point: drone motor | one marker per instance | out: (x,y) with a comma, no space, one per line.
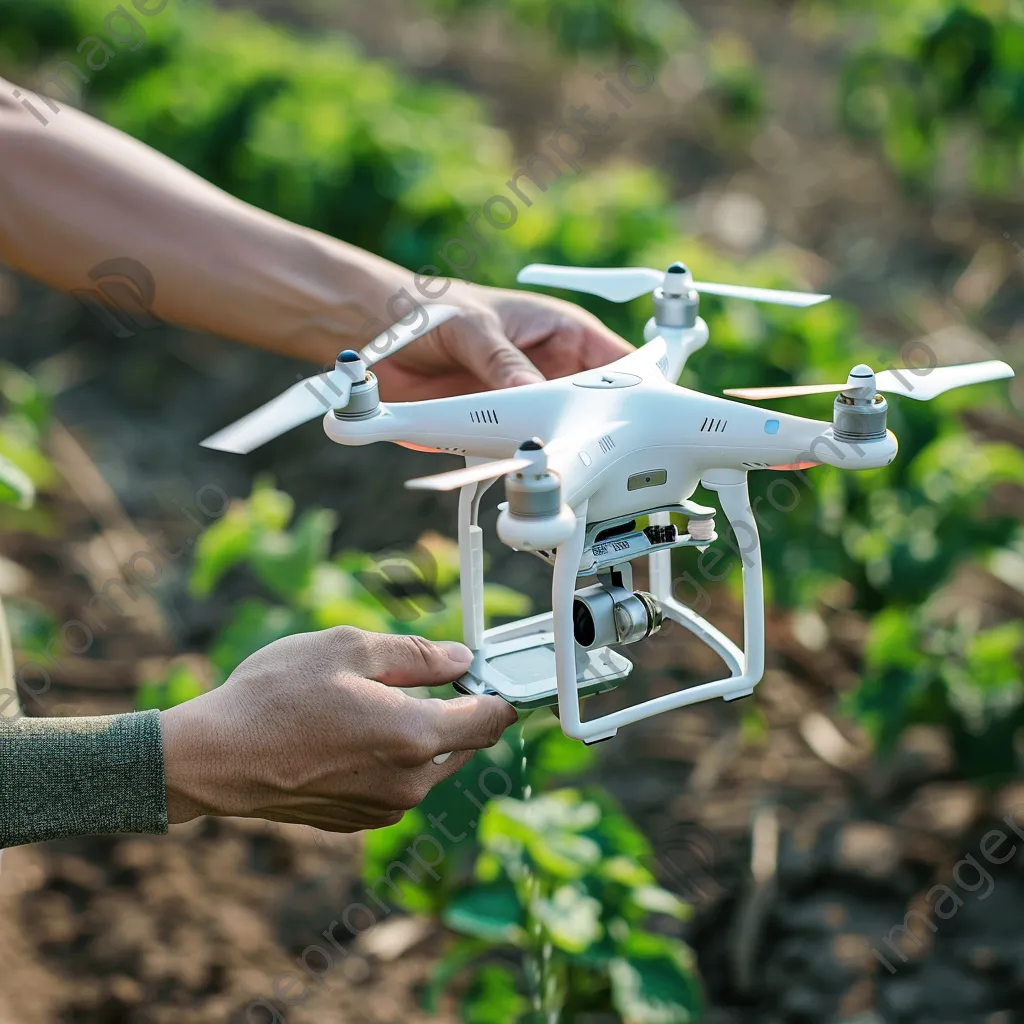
(535,518)
(859,413)
(363,401)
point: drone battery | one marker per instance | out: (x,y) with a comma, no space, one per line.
(521,669)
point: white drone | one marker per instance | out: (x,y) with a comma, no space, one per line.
(584,458)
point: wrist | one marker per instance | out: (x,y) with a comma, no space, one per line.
(187,763)
(350,296)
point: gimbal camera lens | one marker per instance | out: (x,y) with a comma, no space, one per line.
(602,616)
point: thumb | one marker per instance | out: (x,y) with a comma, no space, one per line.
(400,660)
(480,344)
(469,723)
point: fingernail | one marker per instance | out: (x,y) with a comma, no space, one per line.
(521,378)
(457,652)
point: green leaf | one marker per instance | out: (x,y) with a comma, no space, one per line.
(548,828)
(556,754)
(503,602)
(285,561)
(654,981)
(221,546)
(489,912)
(493,997)
(15,486)
(177,687)
(570,917)
(394,875)
(656,900)
(891,641)
(254,625)
(459,955)
(625,871)
(268,509)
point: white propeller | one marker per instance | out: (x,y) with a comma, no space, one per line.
(621,285)
(456,478)
(531,453)
(317,395)
(920,384)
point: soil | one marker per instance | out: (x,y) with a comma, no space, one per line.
(799,850)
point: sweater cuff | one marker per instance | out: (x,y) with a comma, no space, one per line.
(63,777)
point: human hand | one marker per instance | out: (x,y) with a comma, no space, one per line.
(314,729)
(502,339)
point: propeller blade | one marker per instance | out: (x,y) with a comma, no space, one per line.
(925,384)
(921,384)
(301,403)
(779,298)
(790,391)
(317,395)
(399,335)
(613,284)
(456,478)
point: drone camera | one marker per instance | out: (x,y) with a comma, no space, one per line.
(602,616)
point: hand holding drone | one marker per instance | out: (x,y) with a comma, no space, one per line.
(584,458)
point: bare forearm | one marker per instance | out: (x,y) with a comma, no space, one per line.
(76,192)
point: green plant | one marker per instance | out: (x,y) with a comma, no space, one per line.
(23,467)
(531,757)
(561,882)
(951,672)
(936,71)
(638,29)
(23,422)
(396,592)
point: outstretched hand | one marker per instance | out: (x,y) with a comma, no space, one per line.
(503,339)
(315,729)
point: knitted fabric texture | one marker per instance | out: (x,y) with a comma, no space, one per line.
(64,777)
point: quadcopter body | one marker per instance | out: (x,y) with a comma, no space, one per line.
(585,458)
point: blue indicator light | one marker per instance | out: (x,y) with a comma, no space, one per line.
(771,426)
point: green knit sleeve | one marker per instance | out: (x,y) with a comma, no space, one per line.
(81,776)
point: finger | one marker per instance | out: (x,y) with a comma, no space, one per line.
(466,724)
(409,660)
(480,345)
(601,346)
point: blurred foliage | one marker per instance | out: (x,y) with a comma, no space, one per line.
(561,879)
(24,417)
(652,32)
(630,29)
(956,674)
(392,592)
(531,757)
(937,75)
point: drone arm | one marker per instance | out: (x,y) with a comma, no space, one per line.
(665,350)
